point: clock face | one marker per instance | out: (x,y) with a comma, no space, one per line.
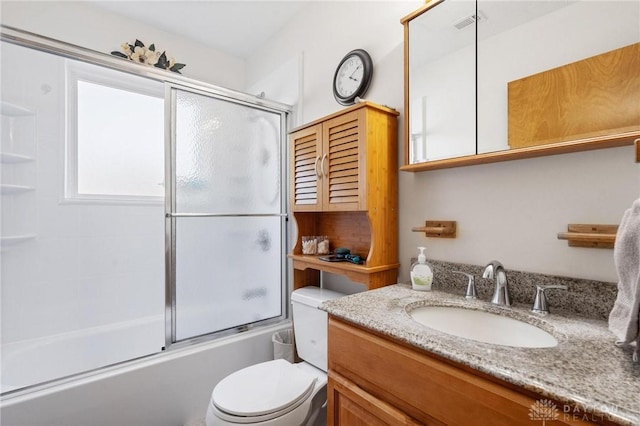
(352,77)
(349,77)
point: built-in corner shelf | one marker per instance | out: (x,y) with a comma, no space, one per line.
(12,110)
(20,130)
(11,158)
(11,241)
(14,189)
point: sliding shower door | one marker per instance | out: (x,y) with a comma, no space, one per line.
(225,214)
(134,212)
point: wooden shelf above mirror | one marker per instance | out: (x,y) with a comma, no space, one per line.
(599,142)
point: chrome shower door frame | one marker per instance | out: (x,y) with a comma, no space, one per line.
(171,215)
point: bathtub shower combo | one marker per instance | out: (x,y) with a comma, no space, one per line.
(141,211)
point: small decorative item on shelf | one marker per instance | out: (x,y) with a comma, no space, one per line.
(343,255)
(309,245)
(323,244)
(341,252)
(138,52)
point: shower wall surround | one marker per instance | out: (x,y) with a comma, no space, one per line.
(83,257)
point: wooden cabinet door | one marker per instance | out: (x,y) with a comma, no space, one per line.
(342,162)
(304,164)
(349,405)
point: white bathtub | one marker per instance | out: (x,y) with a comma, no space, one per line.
(34,361)
(171,388)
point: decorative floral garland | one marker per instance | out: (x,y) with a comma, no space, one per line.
(137,52)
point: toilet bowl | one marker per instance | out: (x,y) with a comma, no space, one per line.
(288,394)
(278,392)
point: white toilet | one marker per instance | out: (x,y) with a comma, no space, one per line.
(278,392)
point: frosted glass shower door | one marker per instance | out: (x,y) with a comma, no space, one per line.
(226,214)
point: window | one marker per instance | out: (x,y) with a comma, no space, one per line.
(115,136)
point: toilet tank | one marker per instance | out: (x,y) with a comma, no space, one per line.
(310,324)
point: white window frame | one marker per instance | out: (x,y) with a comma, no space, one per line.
(78,71)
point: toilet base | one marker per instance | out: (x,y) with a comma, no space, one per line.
(319,418)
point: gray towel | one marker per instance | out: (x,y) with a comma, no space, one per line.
(624,317)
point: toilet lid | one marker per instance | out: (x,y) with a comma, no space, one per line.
(262,389)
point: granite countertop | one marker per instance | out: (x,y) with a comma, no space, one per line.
(585,370)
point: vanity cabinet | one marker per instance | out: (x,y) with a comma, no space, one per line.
(376,380)
(344,184)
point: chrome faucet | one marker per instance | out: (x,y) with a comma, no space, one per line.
(501,294)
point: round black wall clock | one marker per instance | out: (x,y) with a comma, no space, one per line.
(352,77)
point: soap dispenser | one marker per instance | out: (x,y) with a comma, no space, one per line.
(421,273)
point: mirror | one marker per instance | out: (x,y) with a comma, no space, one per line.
(491,80)
(442,82)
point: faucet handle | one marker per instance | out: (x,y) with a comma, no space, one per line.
(540,305)
(471,285)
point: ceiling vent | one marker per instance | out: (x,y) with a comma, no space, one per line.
(471,19)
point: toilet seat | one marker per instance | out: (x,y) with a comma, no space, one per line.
(262,392)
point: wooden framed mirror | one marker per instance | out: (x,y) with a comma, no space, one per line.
(489,80)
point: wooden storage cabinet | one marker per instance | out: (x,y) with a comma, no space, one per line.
(413,387)
(343,184)
(328,160)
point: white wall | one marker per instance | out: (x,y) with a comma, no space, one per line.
(507,211)
(512,211)
(82,24)
(324,32)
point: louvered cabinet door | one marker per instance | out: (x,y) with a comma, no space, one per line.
(342,162)
(305,157)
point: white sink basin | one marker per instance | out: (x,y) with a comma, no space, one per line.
(483,326)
